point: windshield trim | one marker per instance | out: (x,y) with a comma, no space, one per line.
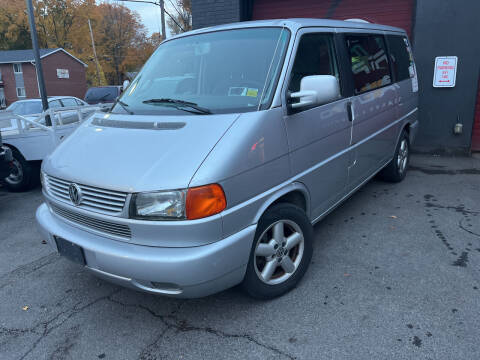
(213,30)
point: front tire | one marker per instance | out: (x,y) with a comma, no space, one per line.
(281,252)
(396,170)
(21,177)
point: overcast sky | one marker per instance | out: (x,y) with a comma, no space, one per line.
(149,14)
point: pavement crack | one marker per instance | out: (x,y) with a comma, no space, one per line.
(173,322)
(23,271)
(15,332)
(47,329)
(461,226)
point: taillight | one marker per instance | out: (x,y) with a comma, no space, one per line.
(205,201)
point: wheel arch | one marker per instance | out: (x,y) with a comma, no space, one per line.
(12,147)
(295,193)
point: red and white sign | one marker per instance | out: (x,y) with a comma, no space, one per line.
(445,71)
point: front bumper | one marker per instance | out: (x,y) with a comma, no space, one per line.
(5,159)
(181,272)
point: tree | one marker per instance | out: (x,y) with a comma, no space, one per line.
(121,40)
(55,19)
(182,15)
(14,29)
(120,30)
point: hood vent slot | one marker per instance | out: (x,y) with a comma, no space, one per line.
(145,125)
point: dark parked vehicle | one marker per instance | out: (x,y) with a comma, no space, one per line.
(102,94)
(5,160)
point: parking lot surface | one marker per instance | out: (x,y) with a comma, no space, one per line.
(395,275)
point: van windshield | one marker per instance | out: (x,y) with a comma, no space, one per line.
(219,72)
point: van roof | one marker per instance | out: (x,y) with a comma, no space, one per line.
(296,23)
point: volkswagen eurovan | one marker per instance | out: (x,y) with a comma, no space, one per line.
(211,168)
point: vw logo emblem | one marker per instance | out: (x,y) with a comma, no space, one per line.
(75,194)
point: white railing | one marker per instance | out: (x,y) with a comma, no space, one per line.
(24,125)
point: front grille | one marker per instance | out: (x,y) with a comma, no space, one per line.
(93,198)
(107,227)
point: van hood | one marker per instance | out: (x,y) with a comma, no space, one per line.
(133,153)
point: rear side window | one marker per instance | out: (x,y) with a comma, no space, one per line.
(315,56)
(369,62)
(400,56)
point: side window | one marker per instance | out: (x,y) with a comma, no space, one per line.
(399,56)
(79,102)
(368,58)
(54,104)
(315,56)
(68,102)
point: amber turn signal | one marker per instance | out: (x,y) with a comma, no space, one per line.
(205,201)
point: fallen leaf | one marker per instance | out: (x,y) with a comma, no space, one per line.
(25,308)
(346,274)
(393,216)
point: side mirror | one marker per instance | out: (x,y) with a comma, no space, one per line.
(316,90)
(125,84)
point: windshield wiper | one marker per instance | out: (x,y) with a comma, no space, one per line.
(180,104)
(123,105)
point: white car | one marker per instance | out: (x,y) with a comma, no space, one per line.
(30,143)
(31,108)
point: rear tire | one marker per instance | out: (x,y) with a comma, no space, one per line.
(21,177)
(396,170)
(281,252)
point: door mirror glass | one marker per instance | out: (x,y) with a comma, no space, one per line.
(315,90)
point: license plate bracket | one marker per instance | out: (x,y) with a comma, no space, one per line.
(71,251)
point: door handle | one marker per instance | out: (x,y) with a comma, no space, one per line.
(350,111)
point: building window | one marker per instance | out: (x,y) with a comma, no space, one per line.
(21,92)
(17,68)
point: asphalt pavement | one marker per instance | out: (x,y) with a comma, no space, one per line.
(395,275)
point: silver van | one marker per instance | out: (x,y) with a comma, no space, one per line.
(211,168)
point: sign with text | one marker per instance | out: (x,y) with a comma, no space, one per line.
(63,74)
(445,71)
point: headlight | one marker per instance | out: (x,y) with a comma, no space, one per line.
(193,203)
(159,205)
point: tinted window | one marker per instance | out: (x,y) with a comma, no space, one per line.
(315,56)
(368,57)
(400,56)
(69,102)
(101,94)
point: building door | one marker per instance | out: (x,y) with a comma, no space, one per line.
(476,124)
(387,12)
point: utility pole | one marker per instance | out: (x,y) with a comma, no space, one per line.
(38,62)
(162,14)
(94,53)
(160,3)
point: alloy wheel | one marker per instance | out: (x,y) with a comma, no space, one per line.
(402,158)
(279,252)
(16,175)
